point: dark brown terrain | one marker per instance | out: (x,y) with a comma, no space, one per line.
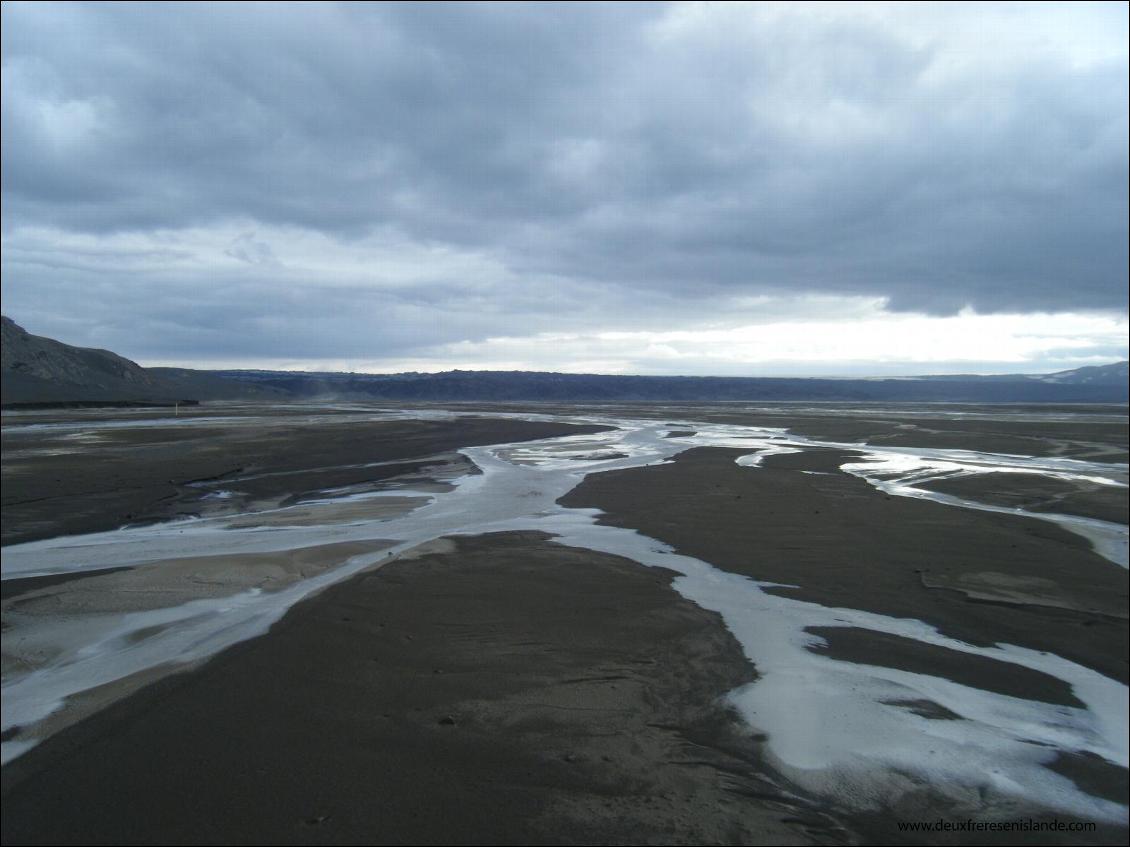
(55,485)
(505,689)
(450,697)
(844,543)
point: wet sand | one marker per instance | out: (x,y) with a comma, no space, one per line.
(454,697)
(841,542)
(830,538)
(49,620)
(1098,433)
(1096,441)
(66,482)
(505,689)
(1040,494)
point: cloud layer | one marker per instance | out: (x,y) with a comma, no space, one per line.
(384,181)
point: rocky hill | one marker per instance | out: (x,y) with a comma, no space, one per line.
(38,370)
(42,369)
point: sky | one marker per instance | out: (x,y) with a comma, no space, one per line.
(686,188)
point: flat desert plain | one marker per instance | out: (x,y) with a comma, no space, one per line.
(670,624)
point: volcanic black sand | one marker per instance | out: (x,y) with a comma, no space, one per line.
(844,543)
(1096,433)
(1040,494)
(505,689)
(57,485)
(978,576)
(508,690)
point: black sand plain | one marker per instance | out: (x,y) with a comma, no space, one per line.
(54,485)
(505,689)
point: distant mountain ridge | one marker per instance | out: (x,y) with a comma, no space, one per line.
(1116,374)
(39,370)
(597,388)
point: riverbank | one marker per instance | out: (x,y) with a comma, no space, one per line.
(495,689)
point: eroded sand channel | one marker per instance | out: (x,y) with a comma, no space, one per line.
(518,488)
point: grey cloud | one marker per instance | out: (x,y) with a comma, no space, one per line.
(150,304)
(790,154)
(247,248)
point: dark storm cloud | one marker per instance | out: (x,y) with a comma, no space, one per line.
(637,150)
